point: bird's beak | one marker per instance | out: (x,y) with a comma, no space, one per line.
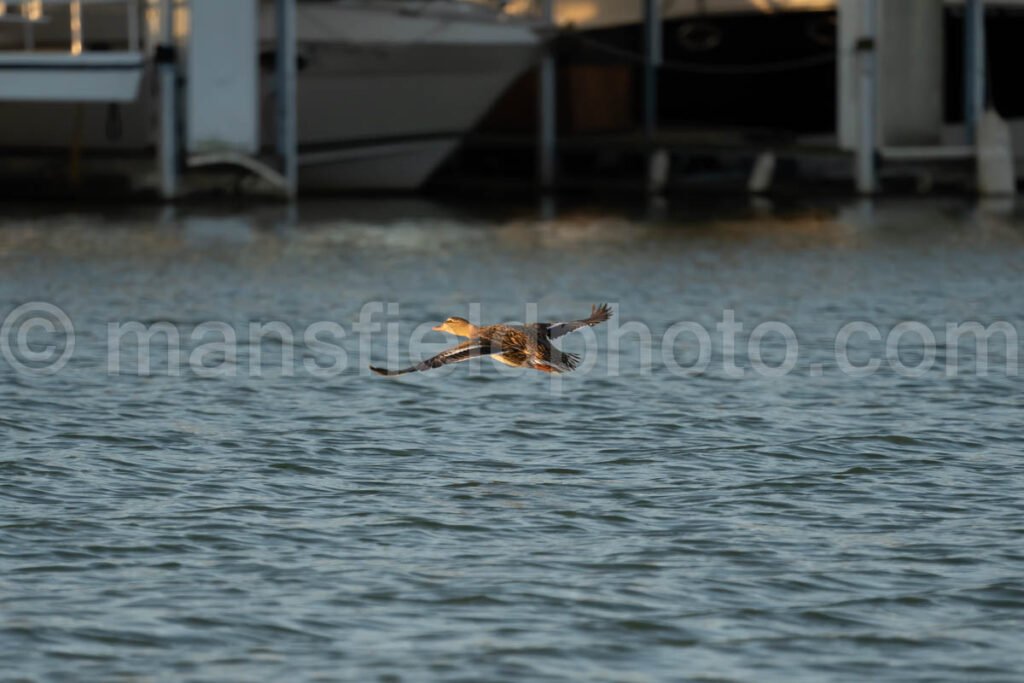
(438,328)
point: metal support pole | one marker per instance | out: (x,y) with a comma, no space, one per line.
(547,109)
(652,60)
(974,67)
(133,25)
(165,57)
(287,102)
(868,110)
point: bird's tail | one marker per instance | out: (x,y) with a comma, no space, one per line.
(560,362)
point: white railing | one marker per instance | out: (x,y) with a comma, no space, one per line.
(30,14)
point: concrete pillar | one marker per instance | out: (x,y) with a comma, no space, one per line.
(222,111)
(996,173)
(907,39)
(910,72)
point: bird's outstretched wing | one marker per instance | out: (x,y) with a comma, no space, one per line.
(598,314)
(473,348)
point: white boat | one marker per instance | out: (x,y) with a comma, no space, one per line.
(386,88)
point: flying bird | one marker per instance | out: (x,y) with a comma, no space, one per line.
(521,346)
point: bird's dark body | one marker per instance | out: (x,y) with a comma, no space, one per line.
(521,346)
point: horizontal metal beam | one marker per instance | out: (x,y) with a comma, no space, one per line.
(928,153)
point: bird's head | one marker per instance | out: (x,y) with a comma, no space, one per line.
(460,327)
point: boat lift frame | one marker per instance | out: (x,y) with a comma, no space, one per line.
(80,75)
(868,152)
(547,92)
(286,108)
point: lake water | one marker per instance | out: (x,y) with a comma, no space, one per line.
(652,517)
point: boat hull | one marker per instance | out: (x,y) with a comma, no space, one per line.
(386,90)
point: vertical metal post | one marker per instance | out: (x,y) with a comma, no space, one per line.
(166,64)
(287,101)
(974,67)
(133,24)
(547,104)
(868,95)
(31,11)
(652,61)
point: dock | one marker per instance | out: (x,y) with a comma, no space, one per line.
(889,123)
(204,85)
(153,93)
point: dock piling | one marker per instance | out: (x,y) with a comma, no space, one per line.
(868,110)
(287,104)
(762,173)
(974,67)
(166,66)
(547,103)
(659,167)
(652,61)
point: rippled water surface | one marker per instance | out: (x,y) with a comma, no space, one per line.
(631,522)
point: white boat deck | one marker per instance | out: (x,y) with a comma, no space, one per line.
(39,76)
(43,72)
